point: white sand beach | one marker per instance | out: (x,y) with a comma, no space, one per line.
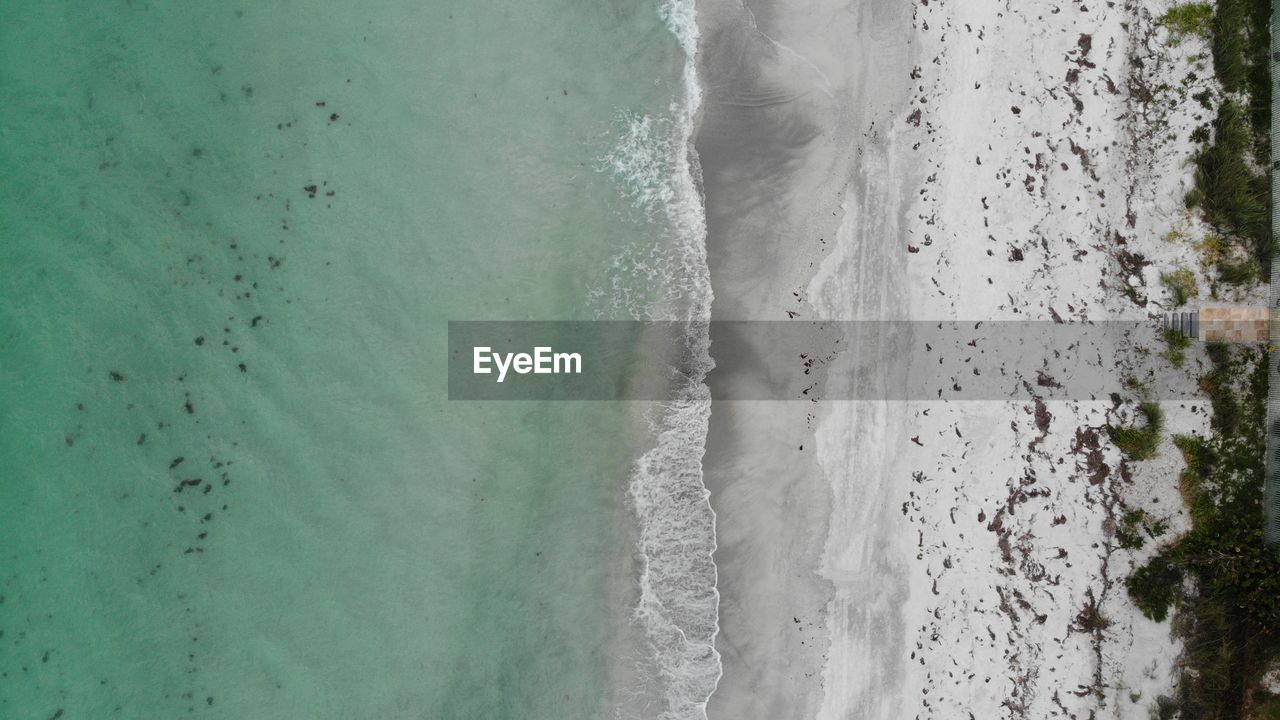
(938,160)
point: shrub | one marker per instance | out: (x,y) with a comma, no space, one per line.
(1154,587)
(1136,526)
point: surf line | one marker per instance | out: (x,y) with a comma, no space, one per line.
(543,361)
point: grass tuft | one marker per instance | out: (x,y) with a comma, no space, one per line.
(1139,442)
(1188,19)
(1181,284)
(1176,347)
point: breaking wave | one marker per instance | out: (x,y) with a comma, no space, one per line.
(657,166)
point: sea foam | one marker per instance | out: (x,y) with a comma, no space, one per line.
(678,608)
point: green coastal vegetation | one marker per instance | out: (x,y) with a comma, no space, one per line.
(1219,576)
(1219,581)
(1232,169)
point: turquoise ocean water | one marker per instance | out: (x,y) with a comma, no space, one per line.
(231,485)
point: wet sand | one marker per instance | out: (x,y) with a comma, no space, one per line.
(796,95)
